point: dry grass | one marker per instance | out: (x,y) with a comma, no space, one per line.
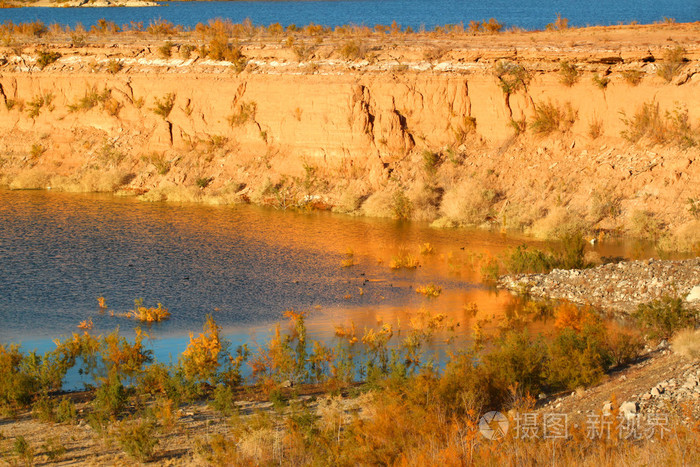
(551,117)
(687,343)
(468,203)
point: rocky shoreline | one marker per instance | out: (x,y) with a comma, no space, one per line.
(616,287)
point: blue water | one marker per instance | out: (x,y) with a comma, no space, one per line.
(528,14)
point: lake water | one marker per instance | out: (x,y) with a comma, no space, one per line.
(528,14)
(244,264)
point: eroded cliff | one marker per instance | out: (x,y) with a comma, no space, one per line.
(536,131)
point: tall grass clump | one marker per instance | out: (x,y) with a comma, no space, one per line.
(650,124)
(163,106)
(550,117)
(673,61)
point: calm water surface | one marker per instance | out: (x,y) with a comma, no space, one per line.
(529,14)
(245,265)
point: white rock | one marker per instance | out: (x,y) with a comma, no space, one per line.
(694,294)
(629,409)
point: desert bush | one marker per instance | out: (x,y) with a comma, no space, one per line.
(674,59)
(66,411)
(223,400)
(111,397)
(600,81)
(165,50)
(511,76)
(660,319)
(467,386)
(23,450)
(645,226)
(578,358)
(559,24)
(54,449)
(549,117)
(568,73)
(46,58)
(624,346)
(401,206)
(595,128)
(114,66)
(519,360)
(429,290)
(91,99)
(138,438)
(164,106)
(44,409)
(16,386)
(672,127)
(148,315)
(403,260)
(467,203)
(186,51)
(200,360)
(633,77)
(569,253)
(353,50)
(39,102)
(203,182)
(245,112)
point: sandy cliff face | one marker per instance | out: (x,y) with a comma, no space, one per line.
(338,132)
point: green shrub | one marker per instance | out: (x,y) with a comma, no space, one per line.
(92,98)
(54,449)
(23,450)
(66,412)
(519,360)
(578,358)
(569,74)
(46,58)
(660,319)
(16,386)
(40,101)
(401,206)
(511,76)
(203,182)
(224,400)
(164,106)
(44,409)
(110,397)
(138,439)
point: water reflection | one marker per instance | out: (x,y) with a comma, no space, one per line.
(244,264)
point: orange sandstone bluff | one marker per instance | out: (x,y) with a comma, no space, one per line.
(593,128)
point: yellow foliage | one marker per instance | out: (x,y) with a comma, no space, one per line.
(569,315)
(149,315)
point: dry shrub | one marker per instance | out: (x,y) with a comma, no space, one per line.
(558,223)
(35,179)
(379,203)
(674,59)
(550,117)
(350,197)
(94,181)
(685,237)
(425,201)
(353,50)
(467,203)
(649,123)
(687,343)
(173,193)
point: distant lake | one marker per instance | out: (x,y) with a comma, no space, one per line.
(528,14)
